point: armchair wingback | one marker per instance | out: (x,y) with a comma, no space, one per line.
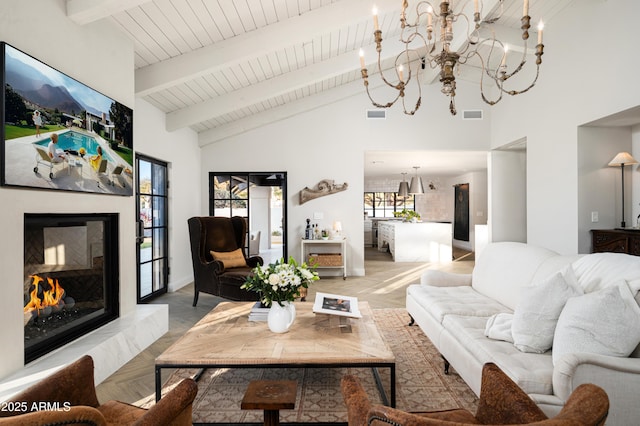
(219,234)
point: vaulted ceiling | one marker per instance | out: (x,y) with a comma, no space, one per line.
(222,67)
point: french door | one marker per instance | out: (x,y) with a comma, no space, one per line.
(259,197)
(152,187)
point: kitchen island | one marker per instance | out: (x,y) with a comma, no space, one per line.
(417,242)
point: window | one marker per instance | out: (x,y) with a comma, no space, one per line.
(384,204)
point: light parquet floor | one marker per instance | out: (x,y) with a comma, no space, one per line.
(383,286)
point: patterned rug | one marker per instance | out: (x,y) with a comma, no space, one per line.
(420,386)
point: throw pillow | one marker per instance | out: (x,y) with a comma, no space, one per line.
(230,259)
(536,314)
(605,322)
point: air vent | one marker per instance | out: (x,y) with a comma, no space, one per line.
(472,114)
(376,114)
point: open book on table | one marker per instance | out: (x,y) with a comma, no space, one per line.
(335,304)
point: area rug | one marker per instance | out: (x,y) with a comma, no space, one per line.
(420,386)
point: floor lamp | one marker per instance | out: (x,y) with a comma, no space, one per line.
(622,159)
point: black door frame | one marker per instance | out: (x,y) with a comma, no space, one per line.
(249,175)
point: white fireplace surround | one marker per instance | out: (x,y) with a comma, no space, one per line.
(110,346)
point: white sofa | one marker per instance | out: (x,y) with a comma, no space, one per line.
(453,310)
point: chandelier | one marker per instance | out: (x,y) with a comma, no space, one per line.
(444,39)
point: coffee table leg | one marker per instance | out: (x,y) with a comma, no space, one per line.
(158,383)
(380,386)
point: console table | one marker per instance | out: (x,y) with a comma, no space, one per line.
(616,240)
(329,249)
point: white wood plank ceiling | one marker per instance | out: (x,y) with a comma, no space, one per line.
(222,67)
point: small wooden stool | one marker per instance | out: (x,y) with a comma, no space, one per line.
(270,396)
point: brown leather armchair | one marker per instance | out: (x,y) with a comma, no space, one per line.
(68,396)
(220,234)
(502,402)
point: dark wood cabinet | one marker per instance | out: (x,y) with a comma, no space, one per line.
(616,241)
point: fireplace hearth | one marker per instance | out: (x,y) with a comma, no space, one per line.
(71,282)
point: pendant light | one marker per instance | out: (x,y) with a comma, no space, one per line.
(403,190)
(416,184)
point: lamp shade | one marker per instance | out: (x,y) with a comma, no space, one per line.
(623,159)
(403,190)
(416,186)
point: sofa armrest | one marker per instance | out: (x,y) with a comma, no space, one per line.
(576,368)
(444,279)
(619,377)
(79,416)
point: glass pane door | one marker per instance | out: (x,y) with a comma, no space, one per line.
(152,217)
(259,198)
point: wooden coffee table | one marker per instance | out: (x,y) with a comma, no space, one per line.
(225,338)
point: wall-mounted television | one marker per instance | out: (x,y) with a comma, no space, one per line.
(60,134)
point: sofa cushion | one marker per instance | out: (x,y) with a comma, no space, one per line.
(535,317)
(598,270)
(463,300)
(532,372)
(605,322)
(503,268)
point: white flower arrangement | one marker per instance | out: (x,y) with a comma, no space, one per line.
(280,281)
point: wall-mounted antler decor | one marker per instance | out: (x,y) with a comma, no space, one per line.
(324,187)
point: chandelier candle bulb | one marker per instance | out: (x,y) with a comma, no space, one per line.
(504,58)
(525,8)
(361,53)
(376,27)
(475,6)
(540,28)
(401,73)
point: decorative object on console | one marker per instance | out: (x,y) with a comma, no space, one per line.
(474,43)
(337,230)
(324,187)
(622,159)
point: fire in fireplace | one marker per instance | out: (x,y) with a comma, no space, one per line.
(71,278)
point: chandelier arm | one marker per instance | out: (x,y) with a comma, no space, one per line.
(519,92)
(376,104)
(384,79)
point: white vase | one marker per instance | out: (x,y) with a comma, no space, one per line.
(280,318)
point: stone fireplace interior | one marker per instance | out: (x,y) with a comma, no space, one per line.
(70,278)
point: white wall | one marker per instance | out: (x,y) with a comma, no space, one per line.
(329,143)
(573,89)
(101,57)
(180,150)
(508,196)
(41,29)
